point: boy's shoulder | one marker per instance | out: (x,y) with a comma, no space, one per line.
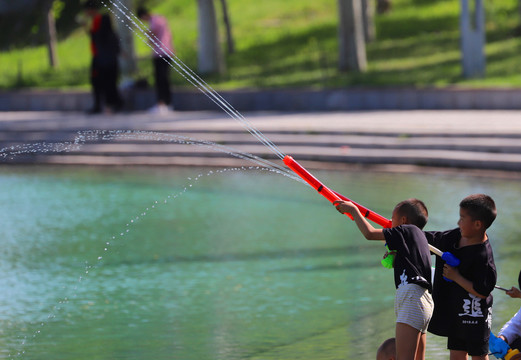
(444,240)
(454,233)
(413,229)
(483,249)
(405,229)
(407,232)
(480,254)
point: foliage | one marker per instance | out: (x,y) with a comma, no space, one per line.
(22,26)
(293,43)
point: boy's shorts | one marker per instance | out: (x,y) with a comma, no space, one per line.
(413,306)
(474,347)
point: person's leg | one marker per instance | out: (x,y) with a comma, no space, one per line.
(458,355)
(111,75)
(422,344)
(407,339)
(96,88)
(162,81)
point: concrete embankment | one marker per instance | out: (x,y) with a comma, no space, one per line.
(301,100)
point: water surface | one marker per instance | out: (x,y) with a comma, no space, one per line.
(188,263)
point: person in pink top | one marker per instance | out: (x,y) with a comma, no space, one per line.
(162,44)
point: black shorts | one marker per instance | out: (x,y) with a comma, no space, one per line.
(474,347)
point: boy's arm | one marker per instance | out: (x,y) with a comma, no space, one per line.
(453,274)
(512,329)
(364,226)
(514,293)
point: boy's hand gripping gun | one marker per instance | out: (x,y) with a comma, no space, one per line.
(447,257)
(500,349)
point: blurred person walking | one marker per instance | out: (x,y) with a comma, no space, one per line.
(104,72)
(163,47)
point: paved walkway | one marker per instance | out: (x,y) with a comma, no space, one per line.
(484,139)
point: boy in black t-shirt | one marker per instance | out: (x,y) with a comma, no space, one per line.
(463,306)
(412,271)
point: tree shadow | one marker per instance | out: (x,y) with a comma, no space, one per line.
(270,60)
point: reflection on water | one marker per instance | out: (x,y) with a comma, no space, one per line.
(192,264)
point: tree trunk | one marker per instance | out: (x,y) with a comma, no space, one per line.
(472,26)
(228,26)
(50,26)
(352,54)
(127,58)
(210,59)
(519,12)
(368,16)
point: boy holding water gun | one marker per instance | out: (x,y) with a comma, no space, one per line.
(412,271)
(463,304)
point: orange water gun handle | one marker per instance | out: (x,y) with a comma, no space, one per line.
(331,195)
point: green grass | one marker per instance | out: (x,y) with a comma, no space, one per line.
(293,43)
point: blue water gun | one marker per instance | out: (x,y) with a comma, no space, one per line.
(449,258)
(500,349)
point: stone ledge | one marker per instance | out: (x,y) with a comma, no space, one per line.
(281,100)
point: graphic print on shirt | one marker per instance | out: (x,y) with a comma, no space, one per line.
(403,278)
(471,307)
(489,318)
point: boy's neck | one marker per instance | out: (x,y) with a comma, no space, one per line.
(473,240)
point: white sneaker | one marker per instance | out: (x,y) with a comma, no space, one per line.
(159,109)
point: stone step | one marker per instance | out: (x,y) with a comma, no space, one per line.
(172,154)
(493,144)
(481,140)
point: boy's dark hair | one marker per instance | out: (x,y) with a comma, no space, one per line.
(480,207)
(414,210)
(388,348)
(142,11)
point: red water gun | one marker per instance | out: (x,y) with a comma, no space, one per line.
(331,195)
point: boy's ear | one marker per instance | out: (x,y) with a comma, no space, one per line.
(478,224)
(403,220)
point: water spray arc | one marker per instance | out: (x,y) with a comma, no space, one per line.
(123,14)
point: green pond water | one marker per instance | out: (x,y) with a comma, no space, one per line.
(190,263)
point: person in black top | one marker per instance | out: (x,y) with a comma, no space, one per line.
(412,271)
(105,49)
(463,306)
